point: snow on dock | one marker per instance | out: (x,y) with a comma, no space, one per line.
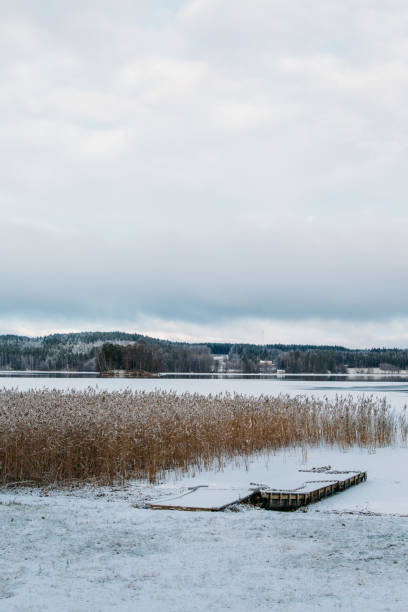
(210,499)
(325,482)
(322,482)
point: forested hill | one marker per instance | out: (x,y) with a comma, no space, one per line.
(107,351)
(76,351)
(87,352)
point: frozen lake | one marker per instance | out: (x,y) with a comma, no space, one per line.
(396,393)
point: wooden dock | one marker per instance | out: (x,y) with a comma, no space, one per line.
(207,499)
(325,482)
(313,491)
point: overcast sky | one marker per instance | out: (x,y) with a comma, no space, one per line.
(205,169)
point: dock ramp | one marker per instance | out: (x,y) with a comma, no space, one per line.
(207,498)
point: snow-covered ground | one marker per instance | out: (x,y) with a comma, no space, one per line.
(100,549)
(91,554)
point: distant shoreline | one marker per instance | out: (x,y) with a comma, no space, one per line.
(385,376)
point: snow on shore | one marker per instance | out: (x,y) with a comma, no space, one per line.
(99,549)
(71,554)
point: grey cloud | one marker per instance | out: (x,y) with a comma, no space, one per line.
(210,161)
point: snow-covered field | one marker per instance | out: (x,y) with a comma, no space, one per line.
(101,549)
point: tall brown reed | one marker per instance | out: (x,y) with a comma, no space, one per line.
(55,436)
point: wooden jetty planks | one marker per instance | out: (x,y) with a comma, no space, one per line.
(317,490)
(208,499)
(212,499)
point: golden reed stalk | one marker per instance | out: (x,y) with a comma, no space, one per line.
(52,436)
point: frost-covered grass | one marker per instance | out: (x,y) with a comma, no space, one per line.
(81,555)
(64,436)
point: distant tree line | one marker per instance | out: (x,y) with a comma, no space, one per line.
(107,351)
(315,359)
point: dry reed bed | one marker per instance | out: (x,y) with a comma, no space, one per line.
(53,436)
